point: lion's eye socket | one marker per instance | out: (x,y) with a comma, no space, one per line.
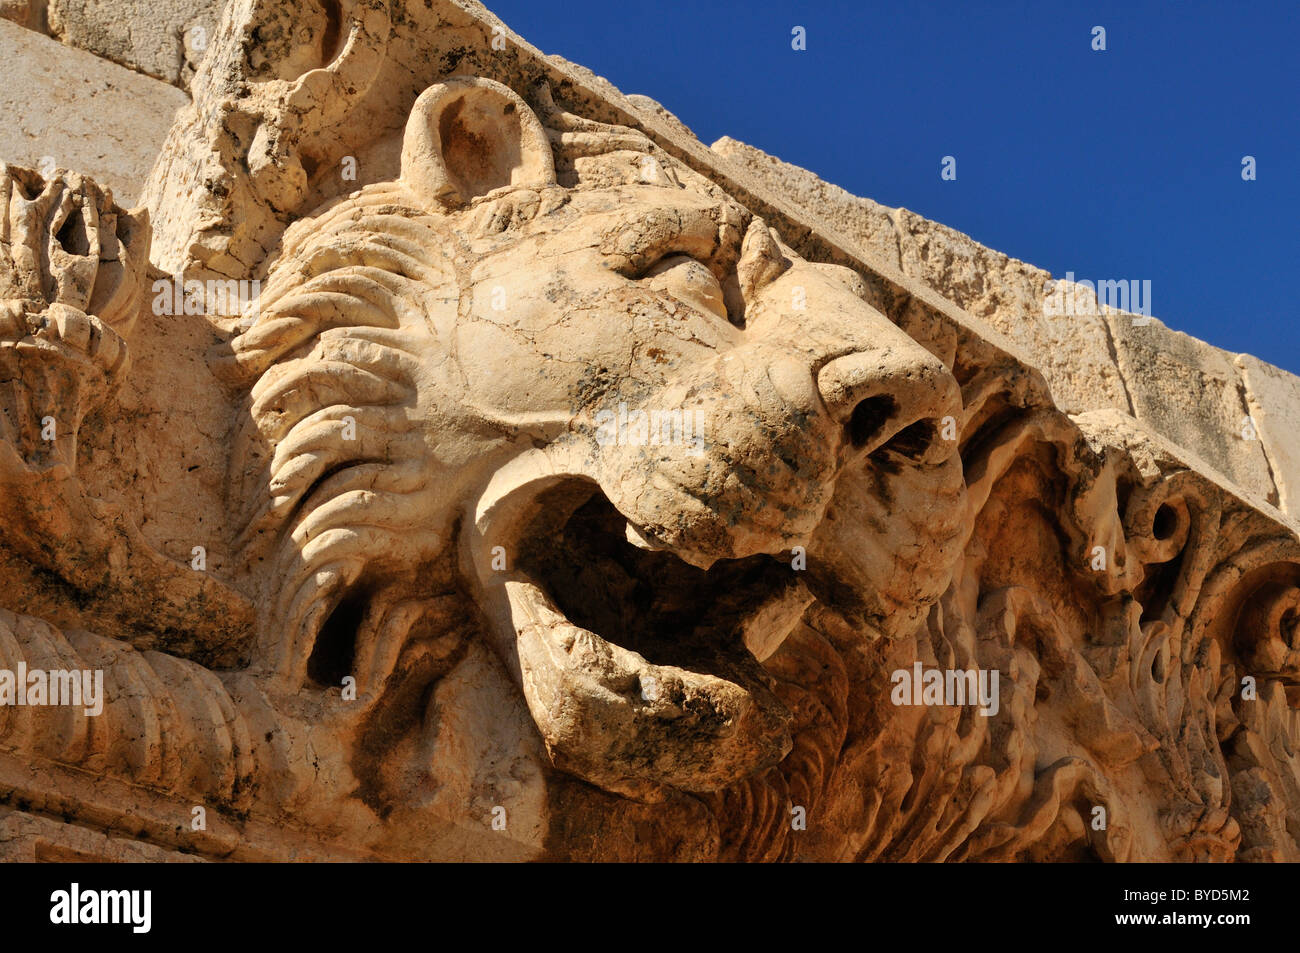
(688,281)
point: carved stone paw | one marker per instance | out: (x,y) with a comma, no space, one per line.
(72,266)
(55,366)
(64,241)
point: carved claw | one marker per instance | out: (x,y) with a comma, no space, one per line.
(64,241)
(71,270)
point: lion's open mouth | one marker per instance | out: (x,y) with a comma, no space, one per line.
(648,600)
(631,685)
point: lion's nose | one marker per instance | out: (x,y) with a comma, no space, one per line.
(892,397)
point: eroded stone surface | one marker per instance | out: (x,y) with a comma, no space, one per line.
(1273,396)
(55,100)
(165,39)
(1192,393)
(561,491)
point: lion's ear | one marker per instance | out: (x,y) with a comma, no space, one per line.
(467,136)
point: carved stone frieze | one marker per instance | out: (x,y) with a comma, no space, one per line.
(453,460)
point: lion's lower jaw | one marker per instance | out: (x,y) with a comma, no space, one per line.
(630,726)
(697,718)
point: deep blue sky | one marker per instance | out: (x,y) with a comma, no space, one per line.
(1117,164)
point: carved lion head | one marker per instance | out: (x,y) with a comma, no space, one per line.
(556,377)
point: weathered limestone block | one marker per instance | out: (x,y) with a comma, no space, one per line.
(55,101)
(165,39)
(460,461)
(1192,393)
(1273,396)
